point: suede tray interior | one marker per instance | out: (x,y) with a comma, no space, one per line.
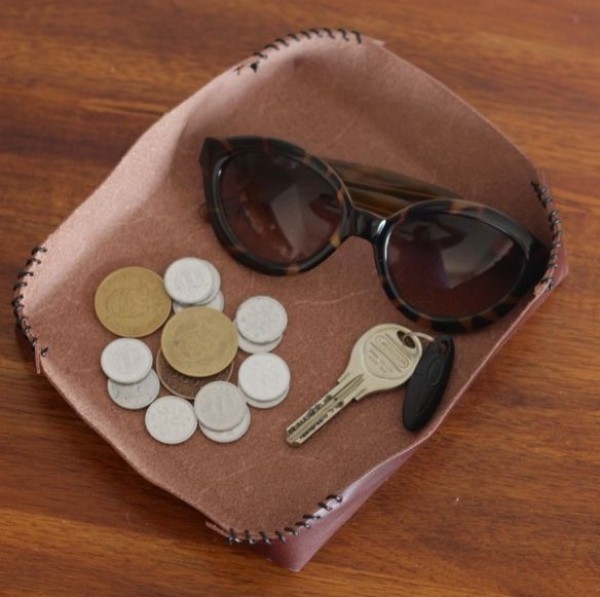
(335,95)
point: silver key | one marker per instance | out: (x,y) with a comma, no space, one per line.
(383,358)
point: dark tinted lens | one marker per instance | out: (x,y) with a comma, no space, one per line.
(450,265)
(278,208)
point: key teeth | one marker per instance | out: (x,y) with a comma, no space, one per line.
(325,409)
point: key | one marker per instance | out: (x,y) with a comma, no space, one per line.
(383,358)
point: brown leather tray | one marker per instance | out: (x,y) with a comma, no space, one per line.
(337,94)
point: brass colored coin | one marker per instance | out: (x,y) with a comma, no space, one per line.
(132,302)
(199,341)
(182,385)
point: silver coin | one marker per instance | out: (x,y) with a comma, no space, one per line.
(252,348)
(264,377)
(126,360)
(231,435)
(220,406)
(216,287)
(217,302)
(134,396)
(171,420)
(178,307)
(262,404)
(261,319)
(190,280)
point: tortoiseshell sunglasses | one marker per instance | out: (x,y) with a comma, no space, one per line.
(453,264)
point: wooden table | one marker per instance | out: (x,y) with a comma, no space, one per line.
(502,501)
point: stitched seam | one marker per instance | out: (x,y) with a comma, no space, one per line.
(31,265)
(547,200)
(288,40)
(281,535)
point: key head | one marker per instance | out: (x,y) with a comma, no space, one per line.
(426,386)
(387,355)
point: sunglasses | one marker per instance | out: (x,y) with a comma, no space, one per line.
(452,264)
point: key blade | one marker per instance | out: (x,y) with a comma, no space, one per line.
(317,415)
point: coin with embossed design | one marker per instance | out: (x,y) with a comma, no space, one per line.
(132,302)
(135,396)
(220,406)
(171,420)
(199,341)
(264,379)
(191,281)
(261,319)
(126,360)
(182,385)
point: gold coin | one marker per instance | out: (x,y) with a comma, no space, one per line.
(182,385)
(132,302)
(199,341)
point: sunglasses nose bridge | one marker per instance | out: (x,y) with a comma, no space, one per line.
(365,224)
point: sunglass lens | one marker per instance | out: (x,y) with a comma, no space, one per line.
(449,265)
(278,208)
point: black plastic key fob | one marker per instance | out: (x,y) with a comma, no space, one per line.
(428,382)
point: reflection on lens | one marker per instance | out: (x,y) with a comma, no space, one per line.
(449,265)
(278,208)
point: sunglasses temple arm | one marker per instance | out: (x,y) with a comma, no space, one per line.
(385,191)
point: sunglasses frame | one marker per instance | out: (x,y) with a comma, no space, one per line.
(406,199)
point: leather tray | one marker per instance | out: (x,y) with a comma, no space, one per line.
(337,94)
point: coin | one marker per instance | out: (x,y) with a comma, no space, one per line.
(220,406)
(264,404)
(261,319)
(231,435)
(264,378)
(135,396)
(132,302)
(126,360)
(252,348)
(217,302)
(199,341)
(171,420)
(184,385)
(216,281)
(191,281)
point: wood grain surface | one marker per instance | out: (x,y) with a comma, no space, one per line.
(502,501)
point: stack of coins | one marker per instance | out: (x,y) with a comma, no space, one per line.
(132,383)
(182,385)
(193,282)
(199,342)
(222,411)
(261,322)
(197,349)
(264,380)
